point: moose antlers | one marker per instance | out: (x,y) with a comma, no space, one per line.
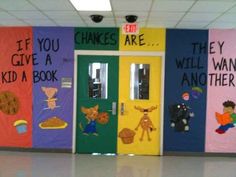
(145,110)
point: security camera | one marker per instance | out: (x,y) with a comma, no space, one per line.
(96,18)
(131,18)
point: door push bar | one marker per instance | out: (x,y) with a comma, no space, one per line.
(122,109)
(113,109)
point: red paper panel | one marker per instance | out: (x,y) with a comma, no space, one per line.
(16,87)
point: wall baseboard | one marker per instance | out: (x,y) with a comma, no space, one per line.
(36,150)
(200,154)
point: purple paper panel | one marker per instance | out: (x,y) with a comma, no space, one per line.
(53,87)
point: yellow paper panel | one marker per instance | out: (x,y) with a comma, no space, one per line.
(148,39)
(131,117)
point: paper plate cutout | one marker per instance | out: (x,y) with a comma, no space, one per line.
(53,123)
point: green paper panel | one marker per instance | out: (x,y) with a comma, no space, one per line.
(96,38)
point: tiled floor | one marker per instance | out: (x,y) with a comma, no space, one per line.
(24,164)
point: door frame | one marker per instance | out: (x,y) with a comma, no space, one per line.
(118,53)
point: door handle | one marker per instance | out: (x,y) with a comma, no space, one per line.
(113,110)
(122,108)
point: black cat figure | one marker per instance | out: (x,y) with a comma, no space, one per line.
(179,117)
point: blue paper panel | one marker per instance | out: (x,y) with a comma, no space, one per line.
(185,90)
(53,87)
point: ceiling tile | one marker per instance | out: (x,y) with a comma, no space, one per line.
(164,13)
(105,20)
(228,17)
(174,6)
(212,6)
(86,16)
(162,24)
(233,10)
(122,14)
(62,14)
(194,16)
(175,0)
(112,1)
(192,25)
(219,0)
(40,22)
(93,25)
(6,16)
(16,5)
(11,22)
(121,22)
(104,23)
(222,25)
(139,21)
(70,22)
(52,4)
(132,5)
(169,16)
(28,14)
(105,14)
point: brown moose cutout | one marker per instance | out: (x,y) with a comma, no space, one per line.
(145,121)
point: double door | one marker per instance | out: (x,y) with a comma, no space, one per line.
(118,104)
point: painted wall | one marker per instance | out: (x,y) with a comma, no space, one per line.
(148,39)
(144,141)
(53,79)
(220,130)
(36,84)
(36,95)
(185,90)
(200,73)
(93,135)
(96,38)
(16,86)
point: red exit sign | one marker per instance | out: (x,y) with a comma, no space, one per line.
(130,28)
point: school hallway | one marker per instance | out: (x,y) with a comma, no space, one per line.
(27,164)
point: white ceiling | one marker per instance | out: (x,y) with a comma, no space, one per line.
(197,14)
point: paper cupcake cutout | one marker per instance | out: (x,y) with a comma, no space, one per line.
(21,126)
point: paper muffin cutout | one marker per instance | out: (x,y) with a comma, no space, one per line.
(127,135)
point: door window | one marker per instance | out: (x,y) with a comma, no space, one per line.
(139,81)
(97,80)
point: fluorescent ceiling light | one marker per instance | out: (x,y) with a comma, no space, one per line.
(91,5)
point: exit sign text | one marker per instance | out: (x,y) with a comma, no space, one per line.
(130,28)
